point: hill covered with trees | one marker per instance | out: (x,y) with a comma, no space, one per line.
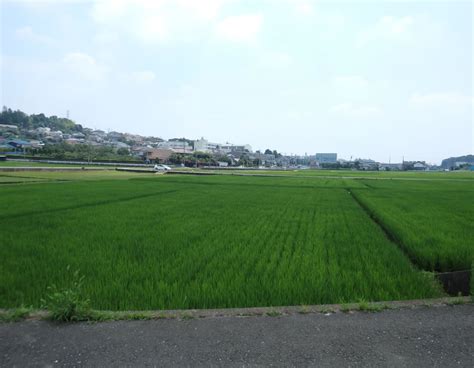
(29,122)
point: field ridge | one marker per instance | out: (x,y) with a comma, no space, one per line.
(391,236)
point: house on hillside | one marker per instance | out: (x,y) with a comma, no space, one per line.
(74,141)
(4,128)
(161,154)
(118,145)
(18,143)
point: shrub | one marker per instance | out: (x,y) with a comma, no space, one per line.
(67,304)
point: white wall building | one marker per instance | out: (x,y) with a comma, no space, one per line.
(203,145)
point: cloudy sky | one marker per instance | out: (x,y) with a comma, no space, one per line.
(362,78)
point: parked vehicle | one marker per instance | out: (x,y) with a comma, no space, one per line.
(161,167)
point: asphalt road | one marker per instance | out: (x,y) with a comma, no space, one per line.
(420,337)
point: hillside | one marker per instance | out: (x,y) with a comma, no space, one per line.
(34,121)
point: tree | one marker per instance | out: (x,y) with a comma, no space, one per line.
(29,122)
(222,158)
(202,155)
(268,152)
(123,151)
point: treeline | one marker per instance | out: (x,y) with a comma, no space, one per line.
(197,159)
(82,152)
(29,122)
(208,159)
(270,152)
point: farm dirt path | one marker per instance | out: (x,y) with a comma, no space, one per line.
(422,337)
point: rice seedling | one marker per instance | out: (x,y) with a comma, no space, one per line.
(200,242)
(433,221)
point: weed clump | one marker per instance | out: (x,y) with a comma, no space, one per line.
(273,313)
(371,307)
(16,314)
(67,304)
(345,308)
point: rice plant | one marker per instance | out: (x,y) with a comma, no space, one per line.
(199,242)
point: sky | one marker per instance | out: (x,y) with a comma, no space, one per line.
(366,79)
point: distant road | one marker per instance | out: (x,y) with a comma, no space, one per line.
(420,337)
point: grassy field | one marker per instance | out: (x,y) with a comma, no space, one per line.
(152,241)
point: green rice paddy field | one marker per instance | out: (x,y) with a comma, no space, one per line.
(170,241)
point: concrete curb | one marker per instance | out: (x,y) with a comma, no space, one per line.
(185,314)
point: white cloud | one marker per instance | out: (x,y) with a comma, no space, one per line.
(351,110)
(203,9)
(452,100)
(152,29)
(240,28)
(109,11)
(156,20)
(144,76)
(84,65)
(26,34)
(388,28)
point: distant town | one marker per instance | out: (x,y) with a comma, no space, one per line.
(39,137)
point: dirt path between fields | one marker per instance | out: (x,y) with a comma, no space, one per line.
(423,337)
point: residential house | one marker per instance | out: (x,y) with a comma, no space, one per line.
(420,166)
(4,128)
(161,154)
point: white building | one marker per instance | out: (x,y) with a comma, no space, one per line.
(43,130)
(419,166)
(8,128)
(203,145)
(231,148)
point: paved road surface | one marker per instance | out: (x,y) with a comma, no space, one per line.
(421,337)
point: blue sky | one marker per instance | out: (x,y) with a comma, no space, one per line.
(362,78)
